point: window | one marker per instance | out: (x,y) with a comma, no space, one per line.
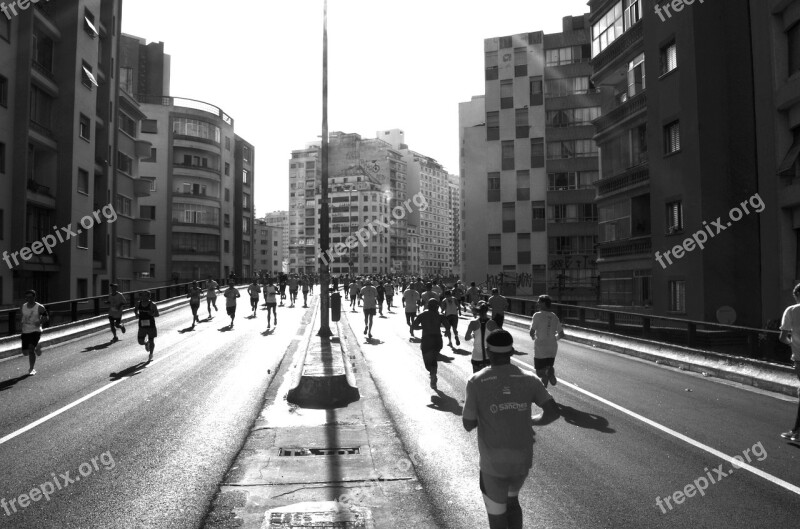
(537,97)
(507,155)
(227,143)
(126,79)
(124,163)
(123,247)
(87,77)
(567,55)
(669,58)
(507,94)
(521,119)
(672,138)
(523,185)
(638,145)
(505,42)
(88,24)
(674,217)
(3,90)
(246,153)
(127,124)
(41,107)
(509,217)
(520,62)
(493,187)
(245,201)
(495,250)
(560,149)
(523,248)
(154,156)
(149,126)
(677,296)
(245,226)
(585,148)
(568,86)
(537,216)
(83,181)
(85,127)
(245,175)
(633,13)
(227,169)
(123,205)
(197,129)
(5,29)
(636,77)
(147,242)
(619,19)
(793,38)
(227,195)
(227,219)
(152,181)
(147,212)
(227,246)
(614,221)
(492,126)
(83,239)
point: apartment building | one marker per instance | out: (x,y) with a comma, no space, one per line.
(528,162)
(69,147)
(267,248)
(678,146)
(280,219)
(454,206)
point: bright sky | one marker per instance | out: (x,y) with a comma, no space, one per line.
(403,64)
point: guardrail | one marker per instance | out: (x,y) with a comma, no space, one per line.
(748,342)
(73,310)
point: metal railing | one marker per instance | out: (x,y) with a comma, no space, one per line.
(73,310)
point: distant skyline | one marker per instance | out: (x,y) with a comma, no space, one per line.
(404,65)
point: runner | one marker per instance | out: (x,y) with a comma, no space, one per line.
(147,312)
(498,403)
(231,293)
(212,287)
(428,295)
(458,293)
(255,291)
(381,297)
(370,296)
(411,305)
(293,284)
(195,292)
(545,331)
(388,289)
(473,296)
(354,293)
(304,287)
(346,287)
(499,306)
(430,323)
(117,300)
(270,294)
(790,327)
(282,287)
(33,316)
(450,310)
(481,326)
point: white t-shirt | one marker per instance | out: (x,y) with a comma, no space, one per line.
(791,322)
(270,291)
(410,300)
(545,327)
(31,318)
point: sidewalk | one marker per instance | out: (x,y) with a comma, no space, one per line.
(303,467)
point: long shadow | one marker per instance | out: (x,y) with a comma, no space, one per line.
(8,384)
(187,329)
(446,359)
(99,347)
(585,420)
(444,402)
(130,371)
(225,329)
(462,352)
(373,341)
(268,332)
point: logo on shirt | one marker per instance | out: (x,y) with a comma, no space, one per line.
(506,390)
(509,406)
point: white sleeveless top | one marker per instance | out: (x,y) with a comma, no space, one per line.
(31,322)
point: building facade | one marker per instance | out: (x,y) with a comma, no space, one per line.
(267,249)
(69,154)
(280,219)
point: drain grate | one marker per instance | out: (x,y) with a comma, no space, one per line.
(318,451)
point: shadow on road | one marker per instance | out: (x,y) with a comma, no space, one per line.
(268,332)
(8,384)
(585,420)
(444,402)
(462,352)
(99,347)
(187,329)
(225,329)
(446,359)
(133,370)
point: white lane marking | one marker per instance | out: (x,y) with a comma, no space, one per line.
(59,411)
(736,464)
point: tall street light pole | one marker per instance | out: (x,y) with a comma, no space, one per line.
(324,221)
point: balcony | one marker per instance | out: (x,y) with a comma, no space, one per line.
(143,149)
(141,188)
(627,248)
(192,167)
(618,52)
(634,106)
(45,14)
(633,177)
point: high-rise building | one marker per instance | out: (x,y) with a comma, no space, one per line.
(528,162)
(454,206)
(280,219)
(267,248)
(69,154)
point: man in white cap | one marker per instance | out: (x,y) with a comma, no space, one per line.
(498,403)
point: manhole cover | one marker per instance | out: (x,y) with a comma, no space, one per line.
(326,514)
(318,451)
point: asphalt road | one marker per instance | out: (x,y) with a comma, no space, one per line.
(630,432)
(124,444)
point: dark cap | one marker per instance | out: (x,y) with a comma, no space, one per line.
(500,342)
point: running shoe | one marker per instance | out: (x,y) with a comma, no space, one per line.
(31,372)
(370,336)
(551,376)
(122,327)
(458,342)
(366,329)
(114,339)
(791,435)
